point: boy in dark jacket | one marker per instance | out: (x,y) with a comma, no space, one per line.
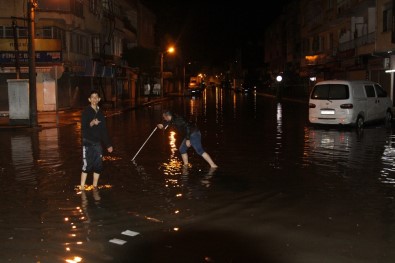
(190,135)
(94,133)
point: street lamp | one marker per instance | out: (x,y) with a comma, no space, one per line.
(31,5)
(279,79)
(169,50)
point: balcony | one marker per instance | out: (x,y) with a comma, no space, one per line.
(358,42)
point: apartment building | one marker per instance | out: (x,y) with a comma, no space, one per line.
(349,39)
(79,46)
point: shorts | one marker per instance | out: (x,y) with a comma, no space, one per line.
(196,143)
(92,158)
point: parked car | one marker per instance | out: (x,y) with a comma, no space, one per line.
(195,90)
(245,88)
(349,102)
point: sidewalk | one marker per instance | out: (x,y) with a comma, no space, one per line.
(53,119)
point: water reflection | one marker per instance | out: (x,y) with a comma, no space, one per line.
(329,140)
(173,166)
(81,224)
(329,148)
(341,150)
(218,105)
(279,131)
(207,178)
(388,159)
(204,103)
(235,105)
(255,105)
(32,152)
(22,159)
(172,171)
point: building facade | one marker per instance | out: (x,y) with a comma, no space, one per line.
(347,39)
(79,46)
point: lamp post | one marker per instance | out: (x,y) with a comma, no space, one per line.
(184,79)
(17,67)
(31,5)
(169,50)
(161,74)
(279,79)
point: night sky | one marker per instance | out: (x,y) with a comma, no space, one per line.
(213,32)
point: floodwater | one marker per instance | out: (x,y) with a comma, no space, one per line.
(284,191)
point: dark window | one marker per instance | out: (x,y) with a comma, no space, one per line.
(77,8)
(381,93)
(93,7)
(370,91)
(74,42)
(83,45)
(9,32)
(387,20)
(47,32)
(22,32)
(95,45)
(315,45)
(330,92)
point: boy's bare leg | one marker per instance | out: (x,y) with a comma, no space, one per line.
(95,179)
(207,157)
(184,157)
(83,179)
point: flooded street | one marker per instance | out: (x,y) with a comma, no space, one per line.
(284,191)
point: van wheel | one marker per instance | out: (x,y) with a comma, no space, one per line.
(360,122)
(388,118)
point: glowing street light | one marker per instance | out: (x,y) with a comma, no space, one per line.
(279,79)
(169,50)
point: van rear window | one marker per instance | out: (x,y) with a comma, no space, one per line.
(330,92)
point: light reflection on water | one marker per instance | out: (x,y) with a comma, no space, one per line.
(174,165)
(279,131)
(388,159)
(344,149)
(328,148)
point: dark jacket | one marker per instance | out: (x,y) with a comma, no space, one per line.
(96,133)
(183,128)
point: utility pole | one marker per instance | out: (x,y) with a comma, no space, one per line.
(31,5)
(16,48)
(169,50)
(161,75)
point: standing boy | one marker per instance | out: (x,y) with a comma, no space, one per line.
(94,133)
(190,135)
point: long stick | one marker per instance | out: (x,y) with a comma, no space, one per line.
(144,143)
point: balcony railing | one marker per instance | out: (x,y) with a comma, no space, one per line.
(358,42)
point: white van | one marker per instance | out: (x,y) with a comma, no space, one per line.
(349,102)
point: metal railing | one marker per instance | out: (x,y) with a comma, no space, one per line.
(358,42)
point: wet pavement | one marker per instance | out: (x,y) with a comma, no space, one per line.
(69,116)
(284,191)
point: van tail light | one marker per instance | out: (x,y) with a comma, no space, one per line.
(346,106)
(312,105)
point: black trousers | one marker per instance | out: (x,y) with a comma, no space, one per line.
(92,158)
